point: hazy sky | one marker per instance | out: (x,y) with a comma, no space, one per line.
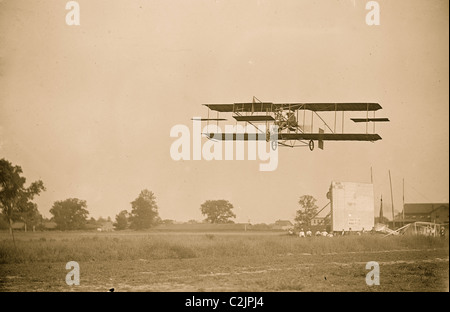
(88,109)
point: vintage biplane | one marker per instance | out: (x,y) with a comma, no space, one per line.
(292,130)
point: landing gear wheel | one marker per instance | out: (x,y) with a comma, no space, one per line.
(311,145)
(274,145)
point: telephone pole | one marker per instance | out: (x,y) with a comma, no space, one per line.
(392,201)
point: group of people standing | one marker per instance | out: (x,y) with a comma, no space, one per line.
(308,233)
(429,231)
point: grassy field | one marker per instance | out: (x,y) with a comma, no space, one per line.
(222,261)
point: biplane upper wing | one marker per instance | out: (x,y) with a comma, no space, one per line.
(272,107)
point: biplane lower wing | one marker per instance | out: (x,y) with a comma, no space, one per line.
(330,136)
(370,119)
(254,118)
(295,136)
(208,119)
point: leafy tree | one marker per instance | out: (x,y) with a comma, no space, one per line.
(121,221)
(29,214)
(144,211)
(70,214)
(217,211)
(307,211)
(15,198)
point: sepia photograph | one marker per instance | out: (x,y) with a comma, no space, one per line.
(202,147)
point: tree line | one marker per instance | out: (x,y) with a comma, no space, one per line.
(16,204)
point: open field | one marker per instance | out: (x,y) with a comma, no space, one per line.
(221,261)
